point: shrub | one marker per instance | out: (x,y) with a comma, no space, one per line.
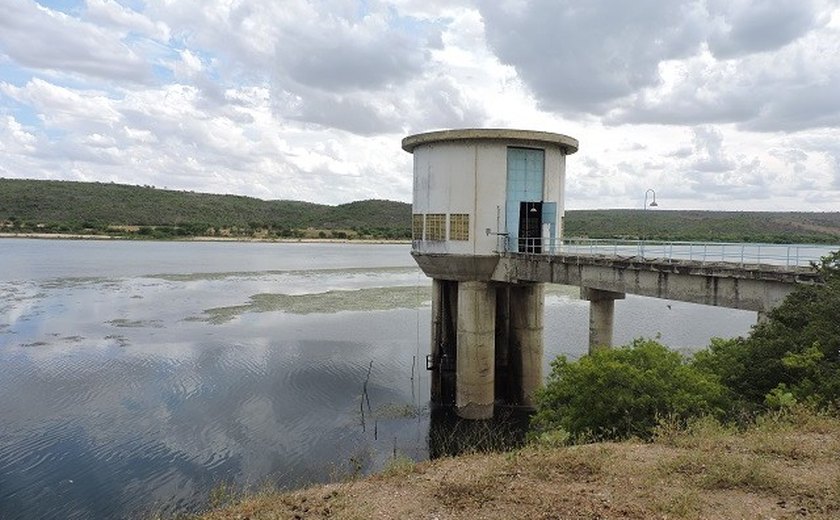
(792,357)
(623,392)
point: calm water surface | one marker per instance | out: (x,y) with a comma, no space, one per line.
(137,376)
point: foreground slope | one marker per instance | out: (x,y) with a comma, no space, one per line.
(779,468)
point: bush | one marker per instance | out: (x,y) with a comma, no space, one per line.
(792,357)
(623,392)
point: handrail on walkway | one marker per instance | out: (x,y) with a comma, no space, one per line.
(788,255)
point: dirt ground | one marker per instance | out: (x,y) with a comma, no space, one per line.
(777,469)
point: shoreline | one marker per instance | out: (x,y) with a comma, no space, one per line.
(72,236)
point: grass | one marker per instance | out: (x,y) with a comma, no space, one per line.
(782,465)
(399,466)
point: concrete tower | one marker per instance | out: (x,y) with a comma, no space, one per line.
(478,194)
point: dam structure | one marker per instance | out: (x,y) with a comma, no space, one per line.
(487,227)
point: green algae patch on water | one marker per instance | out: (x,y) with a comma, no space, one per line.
(254,275)
(73,282)
(125,323)
(359,300)
(399,411)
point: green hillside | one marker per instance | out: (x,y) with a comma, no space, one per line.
(63,206)
(724,226)
(83,207)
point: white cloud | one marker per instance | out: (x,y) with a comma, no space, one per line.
(112,14)
(715,104)
(62,107)
(66,44)
(14,138)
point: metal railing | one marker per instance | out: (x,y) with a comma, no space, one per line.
(788,255)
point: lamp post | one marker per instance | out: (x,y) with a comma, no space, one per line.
(653,203)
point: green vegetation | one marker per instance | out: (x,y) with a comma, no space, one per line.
(705,226)
(792,358)
(30,206)
(623,392)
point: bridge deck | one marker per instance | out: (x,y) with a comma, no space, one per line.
(757,287)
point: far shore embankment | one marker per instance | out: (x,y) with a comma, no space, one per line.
(71,236)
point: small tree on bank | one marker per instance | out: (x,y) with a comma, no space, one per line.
(624,392)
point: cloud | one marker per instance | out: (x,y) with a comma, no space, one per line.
(14,138)
(765,65)
(792,89)
(746,27)
(73,46)
(337,54)
(62,107)
(359,114)
(112,14)
(708,153)
(802,106)
(712,103)
(333,63)
(580,57)
(168,136)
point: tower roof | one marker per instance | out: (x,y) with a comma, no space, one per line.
(511,136)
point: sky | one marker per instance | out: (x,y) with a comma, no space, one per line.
(714,104)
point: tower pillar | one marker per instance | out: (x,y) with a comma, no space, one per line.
(475,359)
(601,316)
(526,337)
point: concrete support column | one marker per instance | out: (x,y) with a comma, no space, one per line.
(601,315)
(438,294)
(526,335)
(475,360)
(503,372)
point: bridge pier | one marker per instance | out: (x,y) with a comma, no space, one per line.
(601,316)
(487,345)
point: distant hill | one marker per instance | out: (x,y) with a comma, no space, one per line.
(706,226)
(86,207)
(64,206)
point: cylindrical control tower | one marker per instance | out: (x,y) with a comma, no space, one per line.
(478,194)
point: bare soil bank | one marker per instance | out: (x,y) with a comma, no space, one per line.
(781,467)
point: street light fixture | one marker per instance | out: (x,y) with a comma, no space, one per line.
(652,204)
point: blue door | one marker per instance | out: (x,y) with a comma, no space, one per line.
(525,174)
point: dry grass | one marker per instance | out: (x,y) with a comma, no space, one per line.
(781,467)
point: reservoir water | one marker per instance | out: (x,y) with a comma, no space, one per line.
(136,377)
